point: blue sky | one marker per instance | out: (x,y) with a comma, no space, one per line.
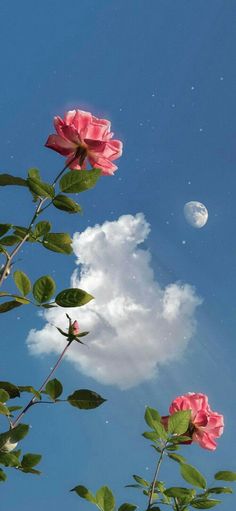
(163,72)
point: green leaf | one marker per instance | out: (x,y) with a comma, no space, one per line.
(4,396)
(177,457)
(141,481)
(19,432)
(84,493)
(62,332)
(151,417)
(2,475)
(22,282)
(180,493)
(13,435)
(34,174)
(220,489)
(192,475)
(180,439)
(3,409)
(7,306)
(75,182)
(30,471)
(48,305)
(18,298)
(4,228)
(41,229)
(21,232)
(9,241)
(85,399)
(150,435)
(7,179)
(17,453)
(21,299)
(54,389)
(30,389)
(172,447)
(204,503)
(82,334)
(178,423)
(105,499)
(29,460)
(14,408)
(58,242)
(4,438)
(9,459)
(127,507)
(73,297)
(11,389)
(44,288)
(156,448)
(159,485)
(66,204)
(39,188)
(225,475)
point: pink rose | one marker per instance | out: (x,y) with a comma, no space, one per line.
(205,425)
(81,137)
(75,328)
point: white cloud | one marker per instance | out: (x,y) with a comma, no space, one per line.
(135,324)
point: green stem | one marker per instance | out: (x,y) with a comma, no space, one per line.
(34,399)
(8,264)
(9,257)
(176,504)
(152,488)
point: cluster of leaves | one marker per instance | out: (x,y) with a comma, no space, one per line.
(42,291)
(26,463)
(166,440)
(71,182)
(44,193)
(104,499)
(82,399)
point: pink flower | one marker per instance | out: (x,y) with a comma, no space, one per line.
(205,425)
(80,137)
(75,328)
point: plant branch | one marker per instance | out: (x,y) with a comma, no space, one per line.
(176,504)
(152,488)
(34,398)
(6,269)
(8,264)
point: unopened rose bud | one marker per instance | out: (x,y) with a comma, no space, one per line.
(75,328)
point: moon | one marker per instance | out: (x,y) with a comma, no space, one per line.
(196,214)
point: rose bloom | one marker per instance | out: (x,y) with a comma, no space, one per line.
(205,425)
(81,137)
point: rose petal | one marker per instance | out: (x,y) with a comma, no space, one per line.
(69,117)
(204,440)
(81,121)
(60,145)
(110,150)
(71,134)
(101,163)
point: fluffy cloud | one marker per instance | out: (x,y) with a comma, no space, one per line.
(135,324)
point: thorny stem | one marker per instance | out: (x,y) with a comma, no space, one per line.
(152,489)
(34,399)
(9,257)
